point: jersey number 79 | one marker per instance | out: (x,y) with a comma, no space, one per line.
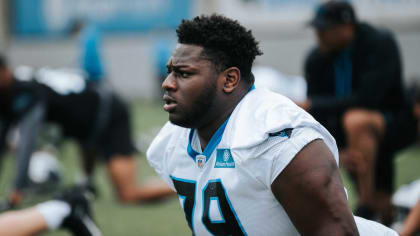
(213,190)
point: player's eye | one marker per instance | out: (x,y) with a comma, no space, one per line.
(184,74)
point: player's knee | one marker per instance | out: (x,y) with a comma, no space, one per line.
(356,120)
(359,121)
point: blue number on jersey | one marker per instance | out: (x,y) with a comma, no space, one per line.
(213,190)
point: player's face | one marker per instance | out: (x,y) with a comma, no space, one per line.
(190,87)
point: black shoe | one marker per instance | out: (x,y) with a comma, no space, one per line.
(80,221)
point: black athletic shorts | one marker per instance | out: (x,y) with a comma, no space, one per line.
(116,139)
(401,131)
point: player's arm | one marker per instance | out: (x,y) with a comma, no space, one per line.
(312,194)
(28,132)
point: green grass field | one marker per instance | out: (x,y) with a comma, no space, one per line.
(165,218)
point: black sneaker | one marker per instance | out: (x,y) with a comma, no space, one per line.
(80,221)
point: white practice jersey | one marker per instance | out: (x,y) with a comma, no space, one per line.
(226,188)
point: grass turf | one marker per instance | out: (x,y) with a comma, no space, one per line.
(164,218)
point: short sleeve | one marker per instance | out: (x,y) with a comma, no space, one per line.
(158,151)
(284,152)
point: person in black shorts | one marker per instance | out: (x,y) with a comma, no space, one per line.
(92,115)
(355,90)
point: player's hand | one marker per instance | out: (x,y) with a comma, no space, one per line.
(15,198)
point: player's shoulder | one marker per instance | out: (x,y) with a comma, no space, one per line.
(262,113)
(166,139)
(265,121)
(375,37)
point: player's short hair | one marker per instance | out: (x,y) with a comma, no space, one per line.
(226,43)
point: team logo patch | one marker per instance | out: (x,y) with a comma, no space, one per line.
(224,159)
(201,160)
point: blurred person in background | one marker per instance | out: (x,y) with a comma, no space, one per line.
(102,128)
(90,45)
(71,211)
(355,90)
(411,224)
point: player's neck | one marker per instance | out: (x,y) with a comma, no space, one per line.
(206,132)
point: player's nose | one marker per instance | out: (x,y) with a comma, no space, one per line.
(169,83)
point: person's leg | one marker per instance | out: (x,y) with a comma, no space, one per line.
(384,179)
(118,147)
(401,131)
(122,172)
(412,222)
(22,222)
(364,130)
(45,216)
(88,161)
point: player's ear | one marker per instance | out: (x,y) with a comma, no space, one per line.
(232,76)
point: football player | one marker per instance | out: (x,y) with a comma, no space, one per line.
(243,160)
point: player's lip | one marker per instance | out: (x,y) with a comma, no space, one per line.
(170,103)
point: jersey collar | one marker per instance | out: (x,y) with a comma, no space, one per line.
(214,141)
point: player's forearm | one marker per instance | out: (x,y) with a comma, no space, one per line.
(332,216)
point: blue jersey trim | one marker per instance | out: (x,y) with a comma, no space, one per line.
(214,141)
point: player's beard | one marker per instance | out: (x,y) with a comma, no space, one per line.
(196,116)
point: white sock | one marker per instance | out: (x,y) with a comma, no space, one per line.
(54,212)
